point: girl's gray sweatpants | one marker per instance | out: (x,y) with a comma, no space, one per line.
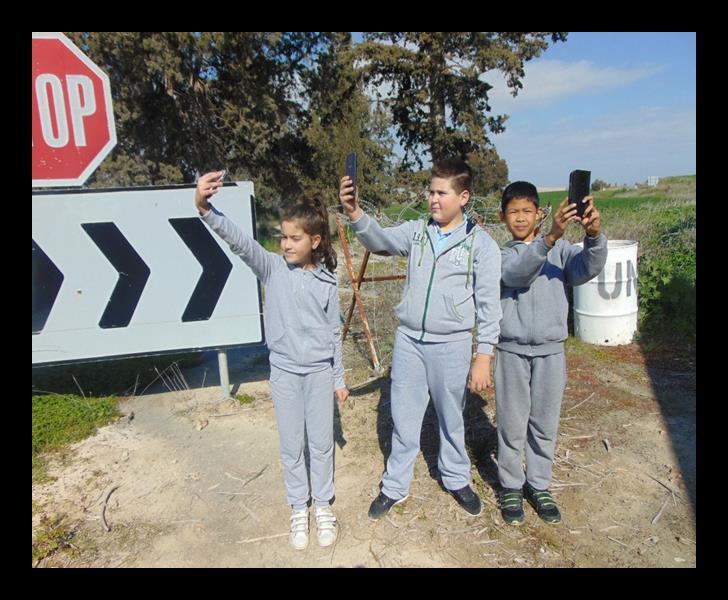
(528,393)
(442,369)
(305,402)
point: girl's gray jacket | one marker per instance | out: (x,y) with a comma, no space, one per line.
(302,318)
(444,294)
(533,291)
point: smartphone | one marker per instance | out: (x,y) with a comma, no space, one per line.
(578,188)
(351,168)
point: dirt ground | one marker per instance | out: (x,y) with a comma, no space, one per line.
(200,482)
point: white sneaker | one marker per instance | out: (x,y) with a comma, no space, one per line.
(299,529)
(326,526)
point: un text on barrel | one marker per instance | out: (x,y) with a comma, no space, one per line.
(605,308)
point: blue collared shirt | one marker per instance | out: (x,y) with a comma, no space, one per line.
(442,237)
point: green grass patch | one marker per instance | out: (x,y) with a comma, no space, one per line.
(554,197)
(401,213)
(53,535)
(60,420)
(245,398)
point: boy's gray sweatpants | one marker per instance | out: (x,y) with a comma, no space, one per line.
(528,393)
(305,402)
(442,368)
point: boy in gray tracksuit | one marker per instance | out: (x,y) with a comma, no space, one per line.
(530,370)
(302,322)
(453,274)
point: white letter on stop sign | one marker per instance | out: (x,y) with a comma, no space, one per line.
(44,110)
(82,103)
(75,84)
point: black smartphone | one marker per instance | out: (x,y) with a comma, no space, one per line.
(351,168)
(579,182)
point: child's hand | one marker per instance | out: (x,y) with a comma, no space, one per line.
(592,221)
(349,201)
(480,377)
(564,213)
(207,186)
(342,395)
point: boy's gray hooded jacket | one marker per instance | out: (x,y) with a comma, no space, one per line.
(442,293)
(533,291)
(302,318)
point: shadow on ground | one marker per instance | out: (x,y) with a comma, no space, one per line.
(672,374)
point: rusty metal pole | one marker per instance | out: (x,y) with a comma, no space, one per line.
(357,295)
(353,298)
(382,278)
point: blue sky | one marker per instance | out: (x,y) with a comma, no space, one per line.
(620,104)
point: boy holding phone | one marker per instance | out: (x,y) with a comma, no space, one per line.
(453,273)
(530,369)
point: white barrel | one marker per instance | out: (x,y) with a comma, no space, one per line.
(605,308)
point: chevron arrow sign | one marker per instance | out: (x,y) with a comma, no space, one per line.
(135,271)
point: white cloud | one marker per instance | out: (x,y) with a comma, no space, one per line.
(547,81)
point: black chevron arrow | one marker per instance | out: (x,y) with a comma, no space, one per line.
(215,268)
(133,273)
(47,280)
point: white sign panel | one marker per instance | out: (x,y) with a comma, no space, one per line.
(136,271)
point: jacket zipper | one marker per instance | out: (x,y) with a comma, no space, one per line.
(432,277)
(429,285)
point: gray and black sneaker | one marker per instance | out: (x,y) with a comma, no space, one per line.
(544,503)
(381,505)
(511,505)
(468,499)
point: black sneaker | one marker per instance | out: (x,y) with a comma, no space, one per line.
(468,499)
(511,505)
(382,505)
(544,503)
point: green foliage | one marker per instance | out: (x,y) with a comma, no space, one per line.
(439,98)
(598,184)
(663,220)
(59,420)
(264,105)
(284,108)
(245,398)
(490,172)
(667,279)
(53,535)
(341,122)
(555,198)
(272,244)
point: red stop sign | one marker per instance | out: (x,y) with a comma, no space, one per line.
(73,122)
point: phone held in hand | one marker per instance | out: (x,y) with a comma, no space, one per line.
(579,182)
(351,168)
